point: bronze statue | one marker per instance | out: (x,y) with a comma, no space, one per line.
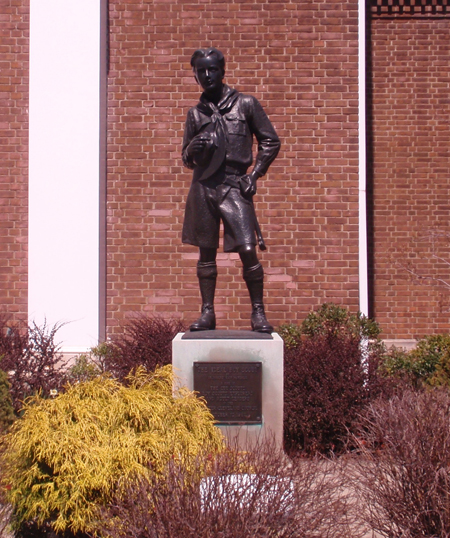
(217,145)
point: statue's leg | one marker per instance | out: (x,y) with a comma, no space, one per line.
(254,278)
(207,276)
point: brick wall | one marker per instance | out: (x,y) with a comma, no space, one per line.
(14,42)
(300,60)
(411,133)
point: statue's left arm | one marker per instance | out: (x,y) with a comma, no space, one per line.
(268,142)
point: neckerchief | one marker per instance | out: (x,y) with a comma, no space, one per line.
(219,130)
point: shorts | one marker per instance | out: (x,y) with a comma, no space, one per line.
(206,205)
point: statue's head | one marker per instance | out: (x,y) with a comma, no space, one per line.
(209,69)
(209,53)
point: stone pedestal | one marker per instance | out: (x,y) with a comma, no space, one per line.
(242,372)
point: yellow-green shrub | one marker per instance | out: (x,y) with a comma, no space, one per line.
(66,456)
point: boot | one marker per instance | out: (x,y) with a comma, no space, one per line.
(259,321)
(207,276)
(207,321)
(254,278)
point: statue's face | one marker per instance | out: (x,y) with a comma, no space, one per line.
(209,74)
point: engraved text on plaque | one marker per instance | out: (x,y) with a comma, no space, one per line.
(232,390)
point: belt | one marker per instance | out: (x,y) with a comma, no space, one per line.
(233,170)
(232,176)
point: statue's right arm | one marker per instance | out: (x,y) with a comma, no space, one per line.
(194,142)
(189,133)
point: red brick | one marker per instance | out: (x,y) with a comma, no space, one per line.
(301,63)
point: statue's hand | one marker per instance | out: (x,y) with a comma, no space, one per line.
(198,144)
(248,184)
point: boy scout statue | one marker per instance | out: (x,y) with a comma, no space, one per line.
(217,145)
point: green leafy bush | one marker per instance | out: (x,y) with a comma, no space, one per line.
(291,334)
(427,364)
(83,369)
(330,375)
(441,375)
(428,352)
(331,319)
(66,456)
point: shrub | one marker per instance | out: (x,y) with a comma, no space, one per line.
(427,364)
(291,334)
(330,375)
(5,514)
(428,352)
(5,508)
(397,363)
(66,456)
(145,341)
(83,369)
(324,392)
(441,375)
(332,319)
(276,499)
(6,408)
(403,472)
(31,358)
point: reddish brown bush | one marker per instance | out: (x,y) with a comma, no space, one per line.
(31,358)
(302,499)
(328,380)
(331,372)
(403,472)
(145,341)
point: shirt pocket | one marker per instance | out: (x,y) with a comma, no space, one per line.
(235,124)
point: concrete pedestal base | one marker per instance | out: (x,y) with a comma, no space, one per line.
(238,346)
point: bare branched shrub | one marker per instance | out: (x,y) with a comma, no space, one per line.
(31,358)
(5,507)
(5,514)
(244,495)
(427,258)
(404,466)
(144,341)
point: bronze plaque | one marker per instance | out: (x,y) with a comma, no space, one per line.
(232,390)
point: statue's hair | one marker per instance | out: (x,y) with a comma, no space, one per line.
(205,53)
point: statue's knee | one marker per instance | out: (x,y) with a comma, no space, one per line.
(246,248)
(248,256)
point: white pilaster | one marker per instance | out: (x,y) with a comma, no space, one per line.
(64,164)
(362,243)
